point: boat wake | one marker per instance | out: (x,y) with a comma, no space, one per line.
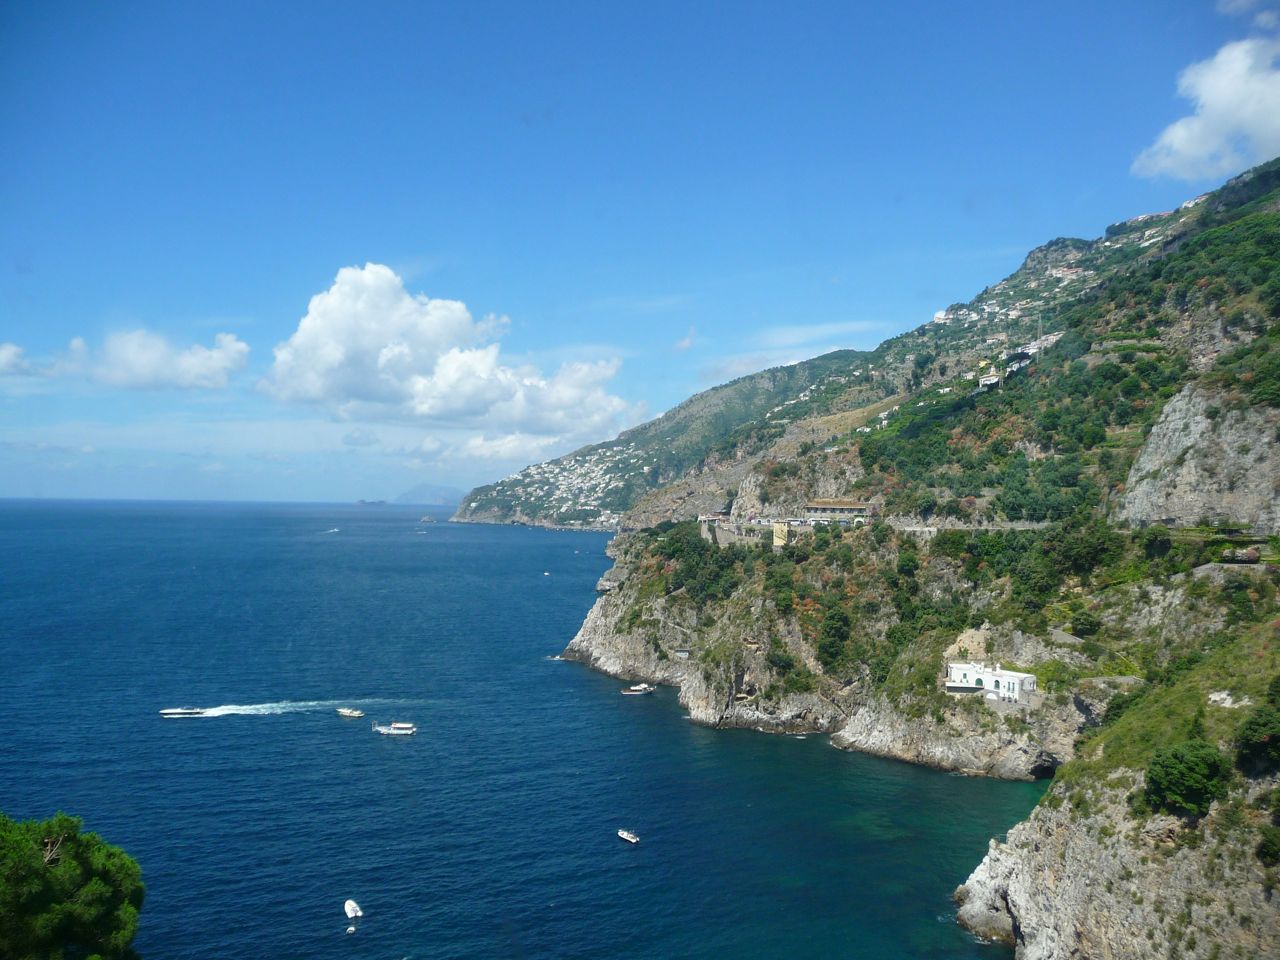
(263,709)
(279,707)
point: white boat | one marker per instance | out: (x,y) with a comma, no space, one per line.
(395,729)
(350,712)
(183,712)
(352,910)
(628,836)
(638,690)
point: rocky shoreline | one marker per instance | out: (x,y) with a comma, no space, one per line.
(1086,880)
(856,718)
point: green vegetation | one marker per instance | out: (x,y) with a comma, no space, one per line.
(1258,742)
(1187,777)
(65,895)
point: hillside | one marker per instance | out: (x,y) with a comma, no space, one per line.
(1098,514)
(712,433)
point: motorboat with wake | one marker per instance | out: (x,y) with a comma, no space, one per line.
(173,712)
(350,712)
(395,729)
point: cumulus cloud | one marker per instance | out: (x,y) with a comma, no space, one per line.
(511,446)
(1236,121)
(369,349)
(11,360)
(139,358)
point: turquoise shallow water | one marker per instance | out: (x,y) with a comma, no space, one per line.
(491,833)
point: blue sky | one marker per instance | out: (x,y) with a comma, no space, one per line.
(328,251)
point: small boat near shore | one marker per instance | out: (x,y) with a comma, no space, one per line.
(351,712)
(395,729)
(628,836)
(172,712)
(638,690)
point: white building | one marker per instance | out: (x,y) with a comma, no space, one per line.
(994,683)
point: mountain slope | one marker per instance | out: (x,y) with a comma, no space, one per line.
(1100,515)
(595,485)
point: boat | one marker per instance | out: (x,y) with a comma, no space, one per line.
(638,690)
(350,712)
(352,910)
(628,836)
(183,712)
(395,729)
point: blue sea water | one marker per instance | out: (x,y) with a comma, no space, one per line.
(489,834)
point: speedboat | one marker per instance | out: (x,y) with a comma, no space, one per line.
(628,836)
(638,690)
(183,712)
(395,729)
(350,712)
(352,910)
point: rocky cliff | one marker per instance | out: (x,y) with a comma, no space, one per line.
(1089,879)
(725,679)
(1206,460)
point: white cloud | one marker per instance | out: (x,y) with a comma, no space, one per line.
(512,446)
(1236,122)
(11,361)
(139,358)
(368,349)
(687,341)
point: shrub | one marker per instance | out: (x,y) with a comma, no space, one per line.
(1269,849)
(1187,778)
(1085,624)
(1258,742)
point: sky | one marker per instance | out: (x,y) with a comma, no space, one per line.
(329,251)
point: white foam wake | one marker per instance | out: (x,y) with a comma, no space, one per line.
(264,709)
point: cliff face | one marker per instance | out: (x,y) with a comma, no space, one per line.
(723,674)
(1205,461)
(1097,882)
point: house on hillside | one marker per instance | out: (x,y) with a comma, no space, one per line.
(994,683)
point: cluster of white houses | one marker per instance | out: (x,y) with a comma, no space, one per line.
(994,683)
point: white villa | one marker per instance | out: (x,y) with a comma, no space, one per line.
(995,683)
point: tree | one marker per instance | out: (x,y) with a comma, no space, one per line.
(65,895)
(1187,778)
(1258,741)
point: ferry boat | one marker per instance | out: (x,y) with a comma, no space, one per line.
(395,729)
(638,690)
(350,712)
(628,836)
(182,712)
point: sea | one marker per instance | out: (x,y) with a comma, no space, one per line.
(490,833)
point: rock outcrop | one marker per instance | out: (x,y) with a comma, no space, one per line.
(1206,461)
(1094,881)
(722,673)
